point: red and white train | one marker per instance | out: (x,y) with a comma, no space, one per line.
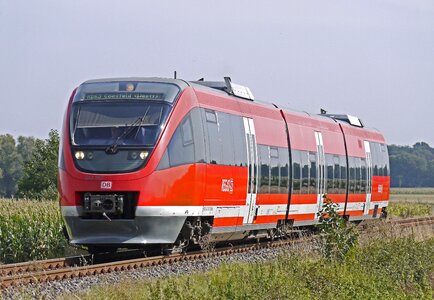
(163,162)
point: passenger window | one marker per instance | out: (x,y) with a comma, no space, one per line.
(304,172)
(337,174)
(364,176)
(343,166)
(296,171)
(264,161)
(284,170)
(239,140)
(213,140)
(330,173)
(225,136)
(312,175)
(357,178)
(274,171)
(352,179)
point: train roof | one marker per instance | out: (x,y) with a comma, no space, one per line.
(228,88)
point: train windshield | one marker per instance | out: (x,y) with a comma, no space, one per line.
(124,123)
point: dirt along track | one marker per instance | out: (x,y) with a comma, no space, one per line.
(81,266)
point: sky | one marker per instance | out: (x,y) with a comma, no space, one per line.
(371,59)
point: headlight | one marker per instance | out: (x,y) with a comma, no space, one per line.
(79,155)
(144,154)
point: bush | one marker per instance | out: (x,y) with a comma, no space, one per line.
(337,236)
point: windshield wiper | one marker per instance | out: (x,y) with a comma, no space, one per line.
(112,149)
(141,121)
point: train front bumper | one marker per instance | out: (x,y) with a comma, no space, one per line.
(142,230)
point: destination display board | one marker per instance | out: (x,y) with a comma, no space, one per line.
(123,96)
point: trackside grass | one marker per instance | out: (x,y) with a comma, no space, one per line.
(30,230)
(393,268)
(406,210)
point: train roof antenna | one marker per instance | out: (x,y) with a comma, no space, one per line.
(174,74)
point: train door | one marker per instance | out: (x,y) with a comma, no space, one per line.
(252,163)
(368,178)
(320,158)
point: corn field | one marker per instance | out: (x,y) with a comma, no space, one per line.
(30,230)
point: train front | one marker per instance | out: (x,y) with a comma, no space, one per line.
(110,130)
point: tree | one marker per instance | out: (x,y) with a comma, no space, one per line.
(25,147)
(10,166)
(412,166)
(39,180)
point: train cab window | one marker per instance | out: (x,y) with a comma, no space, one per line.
(187,143)
(296,171)
(284,170)
(337,174)
(264,163)
(304,172)
(312,173)
(187,132)
(343,167)
(274,171)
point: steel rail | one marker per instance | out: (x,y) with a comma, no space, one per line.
(71,267)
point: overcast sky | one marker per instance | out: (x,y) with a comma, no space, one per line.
(372,59)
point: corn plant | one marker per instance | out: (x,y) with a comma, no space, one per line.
(30,230)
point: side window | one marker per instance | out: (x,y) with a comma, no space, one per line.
(296,171)
(352,179)
(337,175)
(343,166)
(284,170)
(304,172)
(264,162)
(386,161)
(364,176)
(214,142)
(239,141)
(181,151)
(330,173)
(312,175)
(375,162)
(186,132)
(357,179)
(274,171)
(226,138)
(187,144)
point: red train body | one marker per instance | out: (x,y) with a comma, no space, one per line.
(146,161)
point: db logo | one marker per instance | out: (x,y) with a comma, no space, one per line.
(107,185)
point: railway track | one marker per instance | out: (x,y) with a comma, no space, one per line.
(87,265)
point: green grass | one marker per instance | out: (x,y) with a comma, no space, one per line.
(393,269)
(30,230)
(407,209)
(412,191)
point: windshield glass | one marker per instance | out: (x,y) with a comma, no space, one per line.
(102,123)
